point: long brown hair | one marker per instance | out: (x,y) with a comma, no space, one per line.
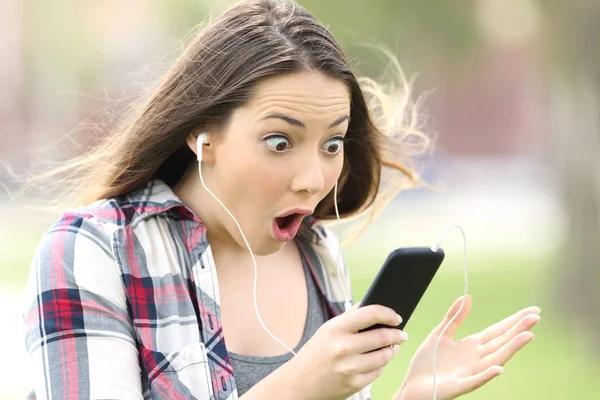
(216,73)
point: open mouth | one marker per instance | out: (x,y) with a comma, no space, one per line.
(284,222)
(285,228)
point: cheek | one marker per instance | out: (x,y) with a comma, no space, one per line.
(332,173)
(254,178)
(267,181)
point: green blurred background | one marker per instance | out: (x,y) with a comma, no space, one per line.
(514,100)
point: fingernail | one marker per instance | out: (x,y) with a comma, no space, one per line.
(399,319)
(395,348)
(403,336)
(533,337)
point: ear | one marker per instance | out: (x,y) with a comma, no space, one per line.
(207,148)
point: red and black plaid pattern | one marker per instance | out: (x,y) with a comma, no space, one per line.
(122,302)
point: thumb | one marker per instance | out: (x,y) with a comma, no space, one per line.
(458,321)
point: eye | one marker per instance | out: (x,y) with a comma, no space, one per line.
(334,145)
(278,143)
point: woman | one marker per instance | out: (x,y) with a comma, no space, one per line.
(145,290)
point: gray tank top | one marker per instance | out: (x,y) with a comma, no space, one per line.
(249,370)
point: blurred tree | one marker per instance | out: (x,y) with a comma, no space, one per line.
(573,38)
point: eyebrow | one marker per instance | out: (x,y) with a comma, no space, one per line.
(300,124)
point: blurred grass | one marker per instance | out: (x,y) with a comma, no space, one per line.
(556,365)
(17,244)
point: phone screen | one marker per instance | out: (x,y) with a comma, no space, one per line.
(402,281)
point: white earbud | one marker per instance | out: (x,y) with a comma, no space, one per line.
(202,139)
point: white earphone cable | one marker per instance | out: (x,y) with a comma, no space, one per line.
(347,303)
(201,140)
(434,248)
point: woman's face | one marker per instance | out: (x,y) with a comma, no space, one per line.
(280,154)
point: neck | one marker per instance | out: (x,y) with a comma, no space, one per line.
(190,191)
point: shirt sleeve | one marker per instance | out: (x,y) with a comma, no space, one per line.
(79,336)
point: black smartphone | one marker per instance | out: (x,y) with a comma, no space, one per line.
(402,281)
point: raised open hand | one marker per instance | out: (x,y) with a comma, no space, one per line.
(463,365)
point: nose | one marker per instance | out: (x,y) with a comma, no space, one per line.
(309,178)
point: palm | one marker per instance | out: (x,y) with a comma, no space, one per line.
(462,365)
(455,358)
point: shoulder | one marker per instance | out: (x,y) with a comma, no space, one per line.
(81,227)
(73,259)
(77,248)
(111,214)
(75,227)
(80,251)
(81,236)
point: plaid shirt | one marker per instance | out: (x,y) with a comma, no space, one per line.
(122,302)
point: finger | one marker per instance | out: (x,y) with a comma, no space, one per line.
(452,311)
(506,352)
(524,325)
(501,327)
(367,378)
(476,381)
(376,339)
(374,360)
(355,320)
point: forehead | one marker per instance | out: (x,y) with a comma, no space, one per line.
(308,94)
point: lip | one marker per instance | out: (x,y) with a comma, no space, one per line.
(297,210)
